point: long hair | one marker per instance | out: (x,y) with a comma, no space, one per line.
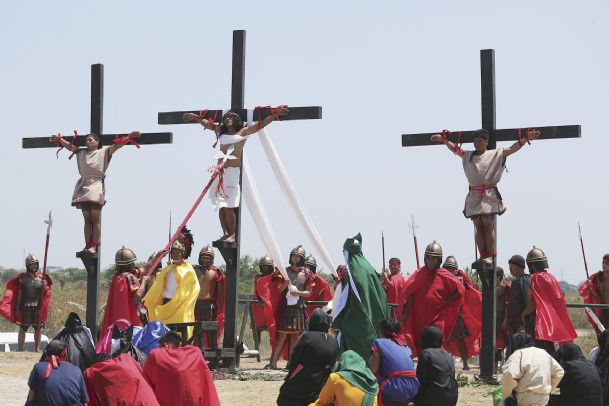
(237,122)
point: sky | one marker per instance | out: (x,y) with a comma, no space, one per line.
(379,69)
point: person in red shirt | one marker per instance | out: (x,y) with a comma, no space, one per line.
(393,283)
(322,292)
(180,376)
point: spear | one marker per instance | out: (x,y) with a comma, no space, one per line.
(413,226)
(383,248)
(169,239)
(49,224)
(581,241)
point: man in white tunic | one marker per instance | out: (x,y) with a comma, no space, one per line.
(226,192)
(483,169)
(89,192)
(530,372)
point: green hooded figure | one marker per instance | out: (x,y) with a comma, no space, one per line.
(363,303)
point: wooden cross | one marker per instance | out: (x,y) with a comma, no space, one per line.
(92,263)
(487,272)
(231,253)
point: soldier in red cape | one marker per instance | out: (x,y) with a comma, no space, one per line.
(464,340)
(432,297)
(269,298)
(596,291)
(322,292)
(180,376)
(123,297)
(393,284)
(210,304)
(26,301)
(118,381)
(546,306)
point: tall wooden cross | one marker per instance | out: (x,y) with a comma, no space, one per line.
(231,253)
(487,272)
(92,262)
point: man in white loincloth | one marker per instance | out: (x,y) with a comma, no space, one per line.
(89,193)
(483,169)
(231,132)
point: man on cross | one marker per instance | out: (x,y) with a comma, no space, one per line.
(483,169)
(227,192)
(89,192)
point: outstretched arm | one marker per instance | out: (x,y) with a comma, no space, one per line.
(451,146)
(208,125)
(531,135)
(280,111)
(114,147)
(63,142)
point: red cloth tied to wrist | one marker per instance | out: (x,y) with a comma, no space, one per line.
(457,150)
(129,139)
(57,143)
(274,113)
(72,144)
(219,170)
(520,139)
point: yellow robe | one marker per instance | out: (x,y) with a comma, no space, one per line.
(339,391)
(181,307)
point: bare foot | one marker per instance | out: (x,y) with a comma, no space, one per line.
(231,238)
(91,250)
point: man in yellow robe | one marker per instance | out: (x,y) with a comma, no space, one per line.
(174,293)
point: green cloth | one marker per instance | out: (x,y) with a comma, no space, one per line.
(359,321)
(352,368)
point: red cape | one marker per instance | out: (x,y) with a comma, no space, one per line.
(7,305)
(552,322)
(121,305)
(471,312)
(118,381)
(181,377)
(321,292)
(265,289)
(588,291)
(394,290)
(429,289)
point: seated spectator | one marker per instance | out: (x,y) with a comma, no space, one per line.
(530,372)
(391,362)
(54,381)
(350,384)
(435,372)
(601,360)
(581,383)
(117,381)
(310,363)
(180,376)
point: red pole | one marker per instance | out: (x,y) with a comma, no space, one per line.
(188,216)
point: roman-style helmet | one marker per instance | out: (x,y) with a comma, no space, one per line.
(434,250)
(450,263)
(208,250)
(301,253)
(536,260)
(266,261)
(311,263)
(30,259)
(124,260)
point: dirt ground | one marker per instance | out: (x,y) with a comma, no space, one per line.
(251,385)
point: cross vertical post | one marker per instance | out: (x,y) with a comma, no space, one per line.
(486,271)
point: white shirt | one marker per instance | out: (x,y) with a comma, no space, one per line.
(171,284)
(533,374)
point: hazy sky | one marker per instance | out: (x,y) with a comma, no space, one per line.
(378,69)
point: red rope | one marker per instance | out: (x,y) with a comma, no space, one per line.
(274,113)
(520,139)
(57,143)
(457,150)
(72,144)
(129,139)
(219,171)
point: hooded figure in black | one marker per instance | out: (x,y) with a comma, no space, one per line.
(310,364)
(581,384)
(78,340)
(435,372)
